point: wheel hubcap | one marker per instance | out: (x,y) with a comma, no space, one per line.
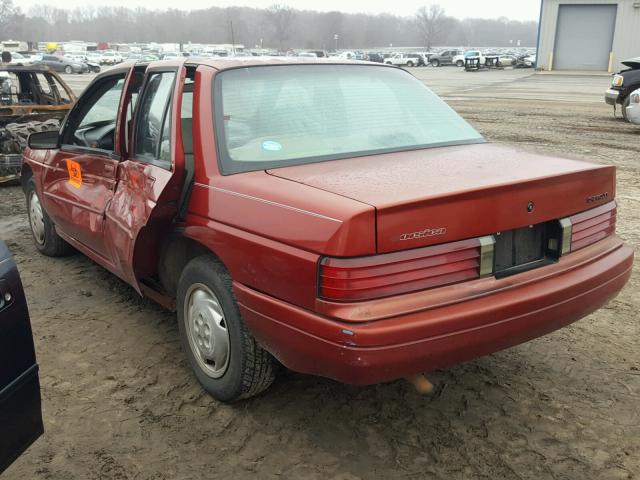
(36,218)
(207,330)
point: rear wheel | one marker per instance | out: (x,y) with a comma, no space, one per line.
(43,230)
(224,356)
(68,69)
(409,63)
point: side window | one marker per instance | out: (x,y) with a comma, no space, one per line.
(105,108)
(62,93)
(94,122)
(44,84)
(152,139)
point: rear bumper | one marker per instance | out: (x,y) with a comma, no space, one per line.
(373,342)
(611,96)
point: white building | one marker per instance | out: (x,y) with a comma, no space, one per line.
(591,35)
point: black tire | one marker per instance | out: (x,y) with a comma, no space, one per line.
(435,63)
(249,369)
(50,244)
(624,106)
(409,63)
(68,69)
(459,63)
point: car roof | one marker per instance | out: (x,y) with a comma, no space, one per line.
(226,63)
(22,68)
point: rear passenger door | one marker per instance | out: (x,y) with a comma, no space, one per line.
(150,180)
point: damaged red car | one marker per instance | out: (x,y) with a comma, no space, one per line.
(289,219)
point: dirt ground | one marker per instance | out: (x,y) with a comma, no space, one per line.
(121,403)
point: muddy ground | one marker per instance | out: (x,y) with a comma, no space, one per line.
(121,403)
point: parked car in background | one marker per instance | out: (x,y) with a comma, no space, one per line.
(502,59)
(375,57)
(19,59)
(347,55)
(110,57)
(94,57)
(20,403)
(633,109)
(448,57)
(623,84)
(356,243)
(405,59)
(93,66)
(63,65)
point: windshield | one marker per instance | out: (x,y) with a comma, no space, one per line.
(287,115)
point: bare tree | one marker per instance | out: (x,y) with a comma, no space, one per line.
(280,27)
(281,17)
(431,22)
(7,12)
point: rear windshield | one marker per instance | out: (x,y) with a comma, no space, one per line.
(271,116)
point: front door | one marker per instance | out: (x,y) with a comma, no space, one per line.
(81,179)
(20,411)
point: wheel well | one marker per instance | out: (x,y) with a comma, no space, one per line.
(629,91)
(175,253)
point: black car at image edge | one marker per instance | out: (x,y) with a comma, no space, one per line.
(20,406)
(623,84)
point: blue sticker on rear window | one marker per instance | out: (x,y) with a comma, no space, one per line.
(271,146)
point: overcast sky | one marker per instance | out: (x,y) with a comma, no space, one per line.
(513,9)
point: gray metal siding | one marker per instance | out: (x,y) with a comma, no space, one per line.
(584,37)
(626,39)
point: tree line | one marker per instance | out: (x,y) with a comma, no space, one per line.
(278,27)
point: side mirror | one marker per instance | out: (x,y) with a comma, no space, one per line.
(44,140)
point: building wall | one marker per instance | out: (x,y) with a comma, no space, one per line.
(626,39)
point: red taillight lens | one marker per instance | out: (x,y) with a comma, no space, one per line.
(593,225)
(403,272)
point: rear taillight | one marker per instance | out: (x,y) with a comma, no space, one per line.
(350,279)
(588,227)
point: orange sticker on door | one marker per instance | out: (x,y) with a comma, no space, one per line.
(75,173)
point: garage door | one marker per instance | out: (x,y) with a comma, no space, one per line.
(584,37)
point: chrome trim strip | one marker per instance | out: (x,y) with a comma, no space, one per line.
(567,228)
(268,202)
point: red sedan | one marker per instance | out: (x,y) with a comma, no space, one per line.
(335,217)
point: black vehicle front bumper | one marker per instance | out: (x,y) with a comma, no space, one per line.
(10,166)
(612,96)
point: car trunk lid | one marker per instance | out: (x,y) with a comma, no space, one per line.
(432,196)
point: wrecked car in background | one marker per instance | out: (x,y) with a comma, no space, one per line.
(622,84)
(32,99)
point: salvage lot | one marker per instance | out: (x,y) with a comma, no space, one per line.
(120,401)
